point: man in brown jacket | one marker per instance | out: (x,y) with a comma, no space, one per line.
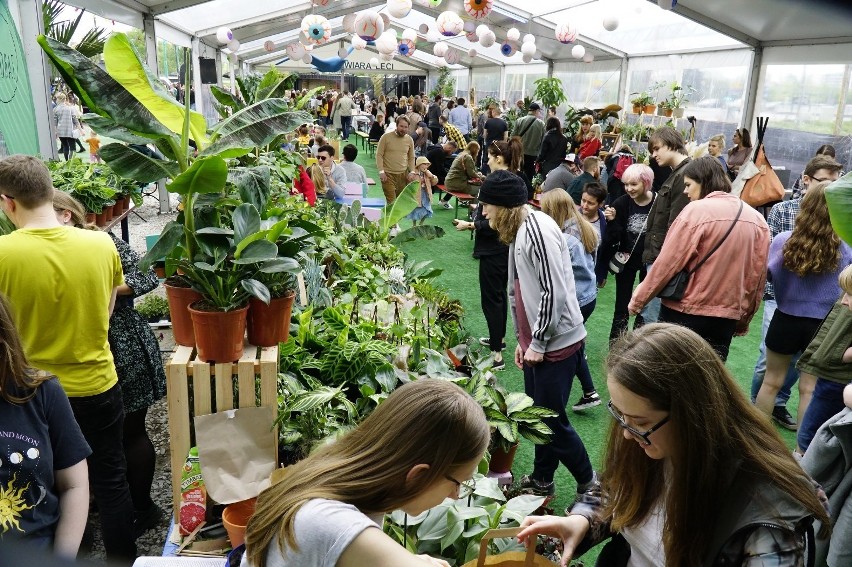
(395,159)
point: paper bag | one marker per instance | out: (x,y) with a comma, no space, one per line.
(237,452)
(764,187)
(507,558)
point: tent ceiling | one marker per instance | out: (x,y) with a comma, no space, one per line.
(724,24)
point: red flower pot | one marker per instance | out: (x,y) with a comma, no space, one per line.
(218,334)
(269,325)
(179,299)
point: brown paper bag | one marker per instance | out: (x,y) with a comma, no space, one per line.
(764,187)
(507,558)
(236,449)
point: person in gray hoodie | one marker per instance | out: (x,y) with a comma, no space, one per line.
(548,323)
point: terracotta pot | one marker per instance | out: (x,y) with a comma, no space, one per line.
(91,218)
(269,325)
(117,209)
(126,200)
(669,112)
(160,270)
(107,212)
(179,300)
(235,517)
(218,334)
(637,108)
(650,108)
(501,461)
(100,218)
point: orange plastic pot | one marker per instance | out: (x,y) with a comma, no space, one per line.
(501,461)
(235,517)
(100,218)
(91,218)
(218,334)
(179,299)
(269,325)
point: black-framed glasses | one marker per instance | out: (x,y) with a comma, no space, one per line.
(819,180)
(322,158)
(640,435)
(465,488)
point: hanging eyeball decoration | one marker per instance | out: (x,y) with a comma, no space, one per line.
(565,33)
(487,39)
(233,46)
(472,37)
(387,43)
(295,51)
(406,48)
(348,23)
(588,57)
(666,4)
(358,43)
(369,25)
(578,51)
(449,24)
(433,3)
(469,26)
(269,46)
(472,53)
(224,35)
(610,23)
(478,9)
(321,2)
(399,8)
(452,57)
(316,28)
(507,49)
(440,49)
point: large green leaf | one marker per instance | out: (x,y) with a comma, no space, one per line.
(256,289)
(170,237)
(246,223)
(404,204)
(124,66)
(307,401)
(272,85)
(839,198)
(419,232)
(106,127)
(517,401)
(256,252)
(100,92)
(256,125)
(253,185)
(225,98)
(131,164)
(205,175)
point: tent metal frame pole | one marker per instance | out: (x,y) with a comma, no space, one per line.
(622,81)
(754,79)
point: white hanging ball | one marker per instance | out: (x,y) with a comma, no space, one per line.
(610,23)
(472,53)
(385,57)
(469,26)
(440,62)
(526,58)
(666,4)
(449,24)
(433,36)
(578,51)
(513,34)
(234,59)
(588,57)
(307,59)
(348,22)
(296,51)
(528,49)
(309,47)
(472,37)
(409,34)
(488,39)
(342,52)
(358,43)
(537,54)
(233,46)
(424,29)
(269,46)
(452,57)
(440,49)
(224,35)
(386,43)
(369,25)
(399,8)
(374,62)
(481,29)
(529,38)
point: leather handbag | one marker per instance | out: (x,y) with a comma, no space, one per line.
(676,287)
(764,187)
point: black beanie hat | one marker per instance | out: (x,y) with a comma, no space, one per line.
(504,189)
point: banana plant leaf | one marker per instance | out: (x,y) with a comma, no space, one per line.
(205,175)
(106,127)
(838,195)
(272,85)
(101,93)
(402,206)
(225,98)
(170,237)
(123,64)
(253,184)
(255,125)
(131,164)
(420,232)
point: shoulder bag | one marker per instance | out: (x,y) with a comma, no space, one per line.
(620,259)
(764,186)
(677,285)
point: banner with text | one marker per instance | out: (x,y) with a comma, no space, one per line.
(18,131)
(358,62)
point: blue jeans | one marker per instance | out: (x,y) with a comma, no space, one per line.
(769,307)
(346,125)
(827,400)
(549,385)
(651,312)
(101,419)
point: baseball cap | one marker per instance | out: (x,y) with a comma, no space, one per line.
(535,106)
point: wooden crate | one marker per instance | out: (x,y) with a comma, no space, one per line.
(200,388)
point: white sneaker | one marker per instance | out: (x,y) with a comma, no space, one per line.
(446,205)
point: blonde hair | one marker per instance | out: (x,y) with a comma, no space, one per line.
(62,201)
(506,221)
(428,421)
(559,205)
(845,279)
(719,139)
(318,178)
(595,132)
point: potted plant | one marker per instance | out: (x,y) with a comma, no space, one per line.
(550,92)
(664,108)
(153,308)
(678,97)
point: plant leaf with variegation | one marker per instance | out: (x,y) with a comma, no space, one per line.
(131,164)
(256,125)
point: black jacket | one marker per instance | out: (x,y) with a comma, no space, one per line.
(554,146)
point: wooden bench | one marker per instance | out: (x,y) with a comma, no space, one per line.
(371,181)
(464,198)
(362,139)
(371,147)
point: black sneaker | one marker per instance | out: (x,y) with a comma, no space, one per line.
(529,485)
(144,520)
(485,341)
(589,400)
(783,418)
(499,364)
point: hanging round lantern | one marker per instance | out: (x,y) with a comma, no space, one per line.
(224,35)
(406,47)
(374,62)
(269,46)
(478,9)
(578,51)
(434,3)
(666,4)
(409,34)
(399,8)
(472,53)
(433,36)
(481,29)
(358,43)
(348,23)
(369,25)
(386,19)
(508,49)
(513,34)
(588,57)
(565,33)
(423,28)
(528,49)
(452,57)
(316,28)
(307,59)
(295,51)
(385,57)
(529,38)
(472,37)
(449,24)
(386,43)
(610,23)
(343,53)
(487,39)
(440,49)
(469,26)
(233,46)
(440,62)
(526,58)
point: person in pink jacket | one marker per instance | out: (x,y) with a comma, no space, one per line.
(724,293)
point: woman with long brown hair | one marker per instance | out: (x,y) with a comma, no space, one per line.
(740,152)
(693,473)
(419,447)
(804,265)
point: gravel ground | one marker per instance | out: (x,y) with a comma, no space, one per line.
(151,542)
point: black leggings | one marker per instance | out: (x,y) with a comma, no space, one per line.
(493,277)
(141,459)
(66,147)
(623,292)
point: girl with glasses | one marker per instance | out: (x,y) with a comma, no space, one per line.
(693,473)
(416,449)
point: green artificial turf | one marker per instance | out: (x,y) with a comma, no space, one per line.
(452,254)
